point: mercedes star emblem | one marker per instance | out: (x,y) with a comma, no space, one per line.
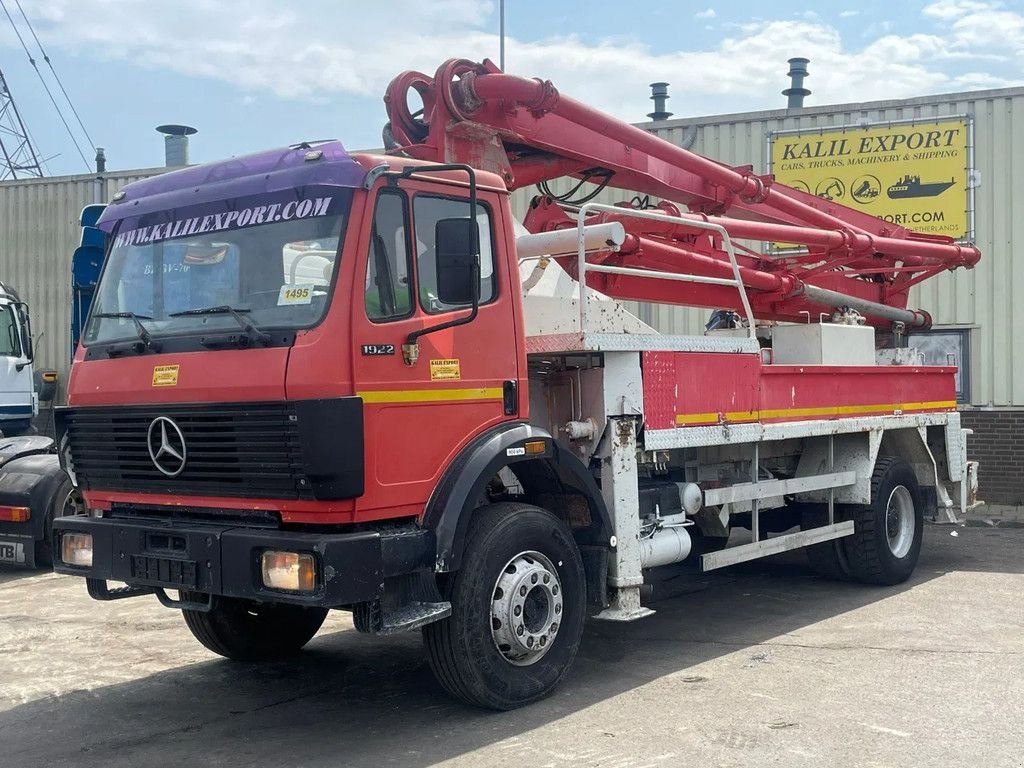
(166,446)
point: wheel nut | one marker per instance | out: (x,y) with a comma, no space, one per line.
(533,579)
(547,579)
(520,629)
(517,610)
(522,591)
(554,590)
(529,642)
(544,640)
(558,608)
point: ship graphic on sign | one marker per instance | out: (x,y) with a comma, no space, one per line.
(911,186)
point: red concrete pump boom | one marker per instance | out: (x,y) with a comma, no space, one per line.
(529,133)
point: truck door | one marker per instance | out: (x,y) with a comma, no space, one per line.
(16,388)
(418,416)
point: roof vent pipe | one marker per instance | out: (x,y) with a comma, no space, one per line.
(176,144)
(659,95)
(796,91)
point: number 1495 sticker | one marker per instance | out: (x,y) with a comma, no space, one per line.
(295,294)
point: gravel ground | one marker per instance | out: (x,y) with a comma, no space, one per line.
(763,664)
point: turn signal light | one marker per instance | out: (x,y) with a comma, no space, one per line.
(15,514)
(288,571)
(76,549)
(534,447)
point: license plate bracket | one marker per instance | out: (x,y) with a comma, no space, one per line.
(170,572)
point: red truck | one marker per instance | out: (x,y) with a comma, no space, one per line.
(315,379)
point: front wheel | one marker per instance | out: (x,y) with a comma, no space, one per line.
(518,607)
(886,542)
(247,631)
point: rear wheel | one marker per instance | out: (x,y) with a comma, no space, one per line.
(518,607)
(247,631)
(886,543)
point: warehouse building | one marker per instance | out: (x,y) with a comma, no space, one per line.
(946,164)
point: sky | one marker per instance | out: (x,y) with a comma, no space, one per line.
(253,74)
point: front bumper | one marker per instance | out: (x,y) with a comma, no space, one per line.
(225,560)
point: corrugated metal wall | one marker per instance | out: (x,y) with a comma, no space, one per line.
(38,233)
(39,229)
(984,299)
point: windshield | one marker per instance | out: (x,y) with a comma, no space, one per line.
(270,257)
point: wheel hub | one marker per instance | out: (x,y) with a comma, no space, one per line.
(526,608)
(899,521)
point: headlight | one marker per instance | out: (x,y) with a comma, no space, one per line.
(76,549)
(288,571)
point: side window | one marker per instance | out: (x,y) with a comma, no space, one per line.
(388,286)
(10,343)
(427,212)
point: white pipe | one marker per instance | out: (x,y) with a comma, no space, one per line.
(597,237)
(667,546)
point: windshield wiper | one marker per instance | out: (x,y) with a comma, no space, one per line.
(252,330)
(148,342)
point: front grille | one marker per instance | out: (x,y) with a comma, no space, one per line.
(248,450)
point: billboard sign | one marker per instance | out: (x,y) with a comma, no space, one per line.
(916,175)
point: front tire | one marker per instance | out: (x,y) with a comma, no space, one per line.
(886,542)
(248,631)
(518,608)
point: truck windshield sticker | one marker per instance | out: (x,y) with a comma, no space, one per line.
(295,294)
(228,220)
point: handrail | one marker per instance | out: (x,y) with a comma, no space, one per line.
(657,274)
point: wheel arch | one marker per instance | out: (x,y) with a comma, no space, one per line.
(31,481)
(556,473)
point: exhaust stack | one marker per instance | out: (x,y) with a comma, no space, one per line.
(659,95)
(176,144)
(796,91)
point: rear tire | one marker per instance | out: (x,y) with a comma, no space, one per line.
(886,542)
(518,607)
(247,631)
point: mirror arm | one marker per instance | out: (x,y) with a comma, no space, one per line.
(411,349)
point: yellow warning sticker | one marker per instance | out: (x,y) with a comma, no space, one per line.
(445,370)
(165,375)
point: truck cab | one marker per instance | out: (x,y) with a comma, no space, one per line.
(279,403)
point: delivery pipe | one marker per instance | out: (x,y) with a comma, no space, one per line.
(561,242)
(910,317)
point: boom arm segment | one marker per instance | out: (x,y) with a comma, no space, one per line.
(527,132)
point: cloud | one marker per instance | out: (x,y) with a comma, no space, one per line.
(955,9)
(323,48)
(848,14)
(708,13)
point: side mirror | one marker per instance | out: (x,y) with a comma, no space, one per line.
(457,254)
(26,331)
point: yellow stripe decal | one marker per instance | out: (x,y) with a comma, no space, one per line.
(712,418)
(430,395)
(696,419)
